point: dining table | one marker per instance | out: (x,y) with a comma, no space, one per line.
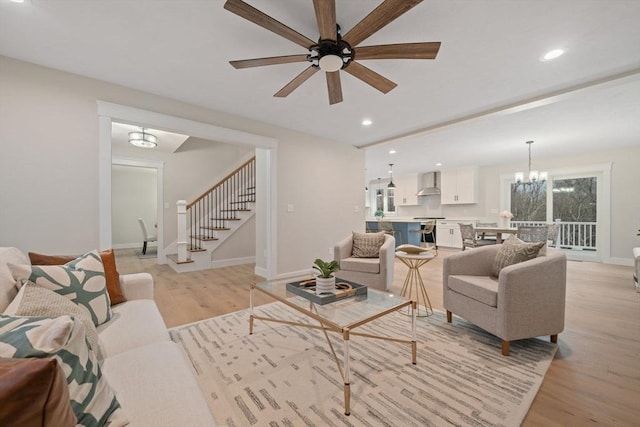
(498,231)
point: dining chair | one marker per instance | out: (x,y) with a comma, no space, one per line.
(427,229)
(553,235)
(469,239)
(387,227)
(146,236)
(532,233)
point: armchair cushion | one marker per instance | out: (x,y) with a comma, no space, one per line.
(363,265)
(367,245)
(514,251)
(483,289)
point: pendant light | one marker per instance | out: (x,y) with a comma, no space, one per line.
(391,184)
(143,139)
(534,175)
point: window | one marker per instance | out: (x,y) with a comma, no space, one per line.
(529,201)
(385,200)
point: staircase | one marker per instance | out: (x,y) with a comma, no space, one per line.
(213,217)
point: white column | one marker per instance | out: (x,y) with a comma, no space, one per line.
(181,242)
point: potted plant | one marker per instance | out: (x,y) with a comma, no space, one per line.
(379,215)
(325,280)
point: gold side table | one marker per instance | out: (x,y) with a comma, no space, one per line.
(413,287)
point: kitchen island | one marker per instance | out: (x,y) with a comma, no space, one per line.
(409,230)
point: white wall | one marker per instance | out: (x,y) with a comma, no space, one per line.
(133,195)
(49,167)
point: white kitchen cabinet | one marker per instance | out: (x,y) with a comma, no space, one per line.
(407,187)
(459,186)
(448,234)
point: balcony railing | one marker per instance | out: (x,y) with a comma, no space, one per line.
(578,236)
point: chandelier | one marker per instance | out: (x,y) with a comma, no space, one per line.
(143,139)
(533,175)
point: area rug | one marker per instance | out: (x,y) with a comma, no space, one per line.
(284,375)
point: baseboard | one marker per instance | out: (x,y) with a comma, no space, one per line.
(620,261)
(292,274)
(127,246)
(233,261)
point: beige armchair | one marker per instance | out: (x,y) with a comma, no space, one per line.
(372,272)
(526,300)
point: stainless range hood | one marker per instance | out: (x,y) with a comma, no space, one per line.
(431,184)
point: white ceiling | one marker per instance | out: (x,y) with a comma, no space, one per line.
(461,108)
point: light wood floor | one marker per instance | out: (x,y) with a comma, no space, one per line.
(594,379)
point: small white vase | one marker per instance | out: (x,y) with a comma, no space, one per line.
(324,285)
(505,222)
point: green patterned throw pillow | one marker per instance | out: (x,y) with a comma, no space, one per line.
(513,251)
(64,338)
(81,280)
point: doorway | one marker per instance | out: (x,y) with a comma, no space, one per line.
(136,192)
(266,166)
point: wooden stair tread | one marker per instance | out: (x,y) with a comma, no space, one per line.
(224,219)
(204,238)
(205,227)
(174,258)
(236,210)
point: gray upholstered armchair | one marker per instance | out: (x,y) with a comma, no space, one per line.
(526,300)
(372,272)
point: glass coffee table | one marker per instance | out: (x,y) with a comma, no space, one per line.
(342,317)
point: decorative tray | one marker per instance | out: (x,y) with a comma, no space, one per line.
(344,289)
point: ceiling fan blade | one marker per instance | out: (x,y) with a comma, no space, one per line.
(334,87)
(326,17)
(297,81)
(427,50)
(378,18)
(252,14)
(274,60)
(370,77)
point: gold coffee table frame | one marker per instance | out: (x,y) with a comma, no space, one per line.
(365,308)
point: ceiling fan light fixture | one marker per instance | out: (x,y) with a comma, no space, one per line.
(143,139)
(330,63)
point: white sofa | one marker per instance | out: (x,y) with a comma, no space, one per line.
(149,374)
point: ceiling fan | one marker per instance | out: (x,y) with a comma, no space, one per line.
(333,51)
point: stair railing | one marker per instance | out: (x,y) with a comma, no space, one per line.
(214,209)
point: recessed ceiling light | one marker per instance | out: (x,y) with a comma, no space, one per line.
(392,151)
(17,1)
(366,122)
(552,54)
(438,164)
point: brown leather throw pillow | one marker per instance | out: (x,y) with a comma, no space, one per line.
(34,393)
(112,277)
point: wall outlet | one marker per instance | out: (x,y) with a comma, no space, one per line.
(289,208)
